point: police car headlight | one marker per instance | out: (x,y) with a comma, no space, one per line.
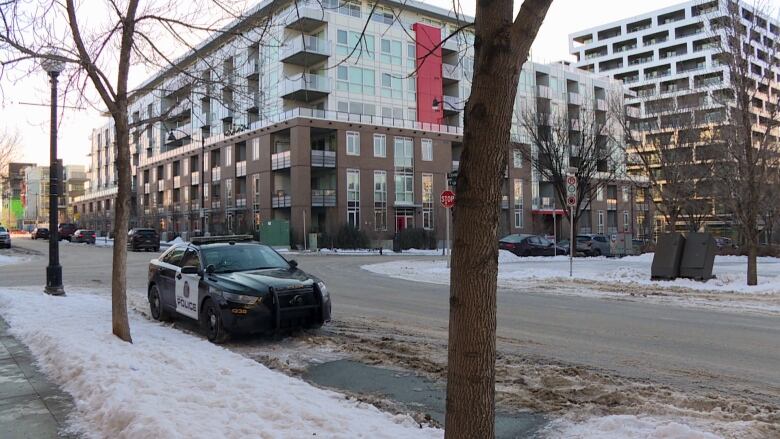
(240,298)
(323,290)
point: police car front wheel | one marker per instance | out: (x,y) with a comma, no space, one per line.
(212,322)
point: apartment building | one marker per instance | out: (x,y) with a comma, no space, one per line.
(12,204)
(672,62)
(304,128)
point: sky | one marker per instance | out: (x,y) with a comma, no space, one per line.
(32,121)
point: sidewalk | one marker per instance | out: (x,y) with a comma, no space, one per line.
(30,405)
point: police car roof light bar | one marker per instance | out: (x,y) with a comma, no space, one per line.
(199,240)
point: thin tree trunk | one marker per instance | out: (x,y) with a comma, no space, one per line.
(500,49)
(752,251)
(119,321)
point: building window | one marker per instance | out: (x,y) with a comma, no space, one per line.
(380,145)
(228,192)
(255,148)
(380,201)
(392,86)
(346,41)
(353,198)
(427,150)
(391,52)
(228,155)
(427,201)
(518,203)
(640,226)
(600,193)
(356,80)
(626,194)
(517,158)
(626,223)
(600,223)
(403,159)
(353,143)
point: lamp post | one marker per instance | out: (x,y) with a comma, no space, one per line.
(172,138)
(54,270)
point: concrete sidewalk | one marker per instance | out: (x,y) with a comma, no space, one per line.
(30,405)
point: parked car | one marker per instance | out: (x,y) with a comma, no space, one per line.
(594,244)
(564,243)
(234,285)
(5,237)
(143,239)
(39,233)
(529,245)
(82,235)
(66,230)
(723,243)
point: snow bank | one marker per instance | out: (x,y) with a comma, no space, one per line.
(174,241)
(627,427)
(385,252)
(10,260)
(730,272)
(169,384)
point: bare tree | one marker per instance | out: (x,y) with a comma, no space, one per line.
(751,99)
(501,46)
(587,140)
(9,150)
(100,57)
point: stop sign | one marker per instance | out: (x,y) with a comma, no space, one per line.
(447,199)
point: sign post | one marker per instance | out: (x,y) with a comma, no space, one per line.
(571,201)
(448,202)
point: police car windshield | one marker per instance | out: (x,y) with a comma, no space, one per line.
(230,258)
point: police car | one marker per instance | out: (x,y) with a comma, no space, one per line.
(231,285)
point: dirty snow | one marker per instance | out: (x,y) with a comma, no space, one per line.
(730,272)
(10,259)
(171,384)
(628,427)
(385,252)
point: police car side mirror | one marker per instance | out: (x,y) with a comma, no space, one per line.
(189,270)
(210,268)
(293,264)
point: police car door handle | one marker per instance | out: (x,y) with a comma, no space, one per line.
(178,276)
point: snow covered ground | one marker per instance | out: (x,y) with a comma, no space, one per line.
(611,277)
(171,384)
(8,257)
(633,427)
(358,252)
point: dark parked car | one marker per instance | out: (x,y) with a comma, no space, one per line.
(39,233)
(594,244)
(564,243)
(233,285)
(5,237)
(529,245)
(82,235)
(66,231)
(143,239)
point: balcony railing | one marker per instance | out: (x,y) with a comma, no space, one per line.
(543,91)
(601,104)
(574,125)
(241,168)
(323,159)
(323,198)
(195,177)
(278,201)
(240,202)
(280,160)
(451,72)
(160,185)
(611,204)
(216,173)
(575,98)
(305,50)
(307,88)
(146,188)
(177,182)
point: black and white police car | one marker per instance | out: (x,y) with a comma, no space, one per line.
(233,285)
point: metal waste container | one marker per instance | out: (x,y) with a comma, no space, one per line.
(397,243)
(668,253)
(698,256)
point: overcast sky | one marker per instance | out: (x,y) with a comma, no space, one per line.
(564,17)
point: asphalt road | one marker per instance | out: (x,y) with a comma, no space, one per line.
(688,348)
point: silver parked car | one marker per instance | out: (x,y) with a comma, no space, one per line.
(594,244)
(5,237)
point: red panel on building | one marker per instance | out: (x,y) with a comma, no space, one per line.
(429,83)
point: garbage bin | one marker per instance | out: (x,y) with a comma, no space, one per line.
(698,256)
(397,243)
(668,253)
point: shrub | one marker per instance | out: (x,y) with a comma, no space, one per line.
(417,238)
(350,237)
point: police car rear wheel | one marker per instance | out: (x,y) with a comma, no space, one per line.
(212,322)
(155,305)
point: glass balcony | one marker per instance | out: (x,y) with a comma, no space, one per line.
(323,159)
(280,160)
(307,88)
(306,18)
(323,198)
(305,50)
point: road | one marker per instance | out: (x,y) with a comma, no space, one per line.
(684,347)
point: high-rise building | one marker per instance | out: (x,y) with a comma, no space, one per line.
(307,118)
(672,60)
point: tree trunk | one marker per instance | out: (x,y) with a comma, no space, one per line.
(500,49)
(119,321)
(752,253)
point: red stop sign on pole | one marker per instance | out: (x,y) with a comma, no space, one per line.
(447,199)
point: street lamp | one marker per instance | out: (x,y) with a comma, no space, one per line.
(171,139)
(53,67)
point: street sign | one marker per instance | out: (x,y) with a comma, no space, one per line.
(447,199)
(571,201)
(571,180)
(571,190)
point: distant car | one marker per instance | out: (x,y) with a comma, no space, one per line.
(143,239)
(66,230)
(594,244)
(82,235)
(528,245)
(564,243)
(5,237)
(233,285)
(723,243)
(39,233)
